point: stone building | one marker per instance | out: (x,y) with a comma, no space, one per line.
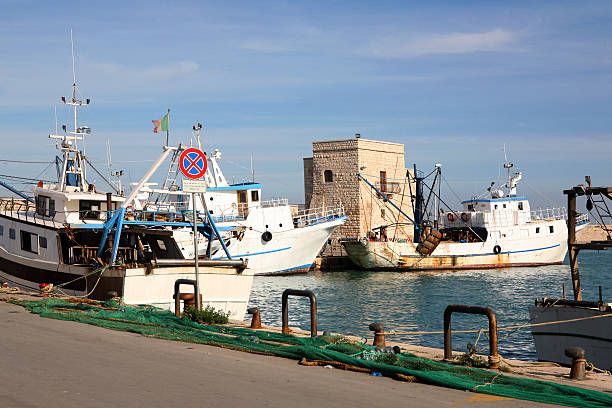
(330,180)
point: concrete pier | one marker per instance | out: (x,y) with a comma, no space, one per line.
(53,363)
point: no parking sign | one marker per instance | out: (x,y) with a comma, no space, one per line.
(193,163)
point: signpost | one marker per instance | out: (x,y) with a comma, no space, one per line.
(193,164)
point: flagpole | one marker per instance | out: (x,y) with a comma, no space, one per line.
(168,130)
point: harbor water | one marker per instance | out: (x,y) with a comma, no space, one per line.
(348,301)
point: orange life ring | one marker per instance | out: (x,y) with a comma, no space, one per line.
(465,217)
(450,217)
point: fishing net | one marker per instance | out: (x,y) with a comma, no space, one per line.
(152,322)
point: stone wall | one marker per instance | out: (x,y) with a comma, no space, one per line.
(365,209)
(307,180)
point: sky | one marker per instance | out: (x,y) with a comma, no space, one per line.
(452,81)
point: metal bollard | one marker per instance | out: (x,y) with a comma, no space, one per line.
(379,334)
(256,321)
(178,296)
(313,309)
(494,358)
(577,354)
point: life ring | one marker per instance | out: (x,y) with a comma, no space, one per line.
(497,250)
(465,217)
(266,236)
(450,217)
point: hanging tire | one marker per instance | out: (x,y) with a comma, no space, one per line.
(266,236)
(497,250)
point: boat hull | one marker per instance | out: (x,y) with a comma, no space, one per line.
(288,252)
(225,288)
(594,335)
(476,255)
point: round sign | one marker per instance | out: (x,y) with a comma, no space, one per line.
(193,163)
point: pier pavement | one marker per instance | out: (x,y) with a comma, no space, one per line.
(56,363)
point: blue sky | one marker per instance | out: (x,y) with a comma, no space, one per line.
(453,81)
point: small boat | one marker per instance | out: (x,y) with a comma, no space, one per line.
(493,232)
(273,236)
(90,243)
(564,323)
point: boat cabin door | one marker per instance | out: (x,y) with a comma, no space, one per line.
(243,205)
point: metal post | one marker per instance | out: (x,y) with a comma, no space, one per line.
(195,251)
(571,241)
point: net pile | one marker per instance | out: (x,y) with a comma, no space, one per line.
(152,322)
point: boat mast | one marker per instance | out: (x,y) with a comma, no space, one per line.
(73,167)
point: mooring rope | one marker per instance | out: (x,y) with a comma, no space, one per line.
(395,333)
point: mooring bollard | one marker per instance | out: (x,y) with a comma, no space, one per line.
(448,346)
(379,334)
(256,321)
(577,354)
(187,298)
(313,309)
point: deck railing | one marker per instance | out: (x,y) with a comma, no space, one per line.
(313,216)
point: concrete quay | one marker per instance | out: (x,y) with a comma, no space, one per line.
(50,362)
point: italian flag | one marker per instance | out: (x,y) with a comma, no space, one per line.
(162,124)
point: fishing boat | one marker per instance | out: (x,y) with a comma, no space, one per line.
(496,231)
(560,324)
(273,237)
(79,240)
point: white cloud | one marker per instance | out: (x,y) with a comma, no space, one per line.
(455,43)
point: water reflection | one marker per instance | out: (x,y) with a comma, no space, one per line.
(414,301)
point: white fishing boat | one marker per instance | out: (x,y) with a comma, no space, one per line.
(89,243)
(274,238)
(494,232)
(563,323)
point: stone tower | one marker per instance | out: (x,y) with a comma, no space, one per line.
(330,180)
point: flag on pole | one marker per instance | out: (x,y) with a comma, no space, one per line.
(162,124)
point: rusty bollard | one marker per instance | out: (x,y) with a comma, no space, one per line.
(379,334)
(577,354)
(256,321)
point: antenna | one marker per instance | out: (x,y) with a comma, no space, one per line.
(73,70)
(252,171)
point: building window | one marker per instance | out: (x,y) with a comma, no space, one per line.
(254,195)
(328,176)
(520,205)
(11,233)
(537,230)
(383,181)
(89,210)
(551,228)
(42,241)
(29,242)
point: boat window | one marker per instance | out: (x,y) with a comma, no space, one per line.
(328,176)
(504,205)
(41,205)
(1,230)
(254,195)
(537,230)
(383,181)
(520,205)
(11,233)
(551,228)
(496,206)
(29,242)
(42,241)
(470,207)
(89,210)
